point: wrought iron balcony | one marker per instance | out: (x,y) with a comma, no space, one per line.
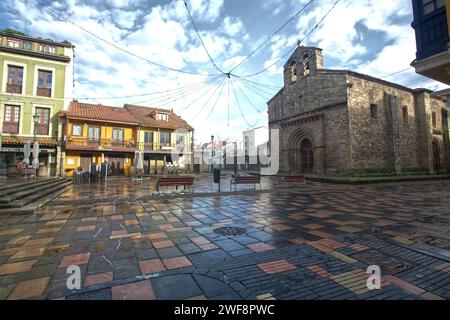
(14,88)
(164,147)
(11,127)
(76,143)
(44,92)
(42,129)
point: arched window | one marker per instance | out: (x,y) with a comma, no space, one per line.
(306,64)
(293,70)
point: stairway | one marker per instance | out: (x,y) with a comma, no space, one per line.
(27,196)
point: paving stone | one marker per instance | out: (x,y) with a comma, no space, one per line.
(151,266)
(16,267)
(176,287)
(176,263)
(141,290)
(29,289)
(98,279)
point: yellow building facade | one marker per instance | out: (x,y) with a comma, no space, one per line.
(96,134)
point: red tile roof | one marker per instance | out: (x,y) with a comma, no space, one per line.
(18,140)
(100,112)
(147,117)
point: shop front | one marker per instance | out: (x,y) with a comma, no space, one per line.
(12,156)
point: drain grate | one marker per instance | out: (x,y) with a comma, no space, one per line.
(387,263)
(435,242)
(230,231)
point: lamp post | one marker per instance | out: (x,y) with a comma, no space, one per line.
(212,153)
(36,122)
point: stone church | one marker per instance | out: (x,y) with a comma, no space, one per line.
(342,122)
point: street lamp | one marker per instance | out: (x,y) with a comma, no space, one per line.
(212,152)
(36,122)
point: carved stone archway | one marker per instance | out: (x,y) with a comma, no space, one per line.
(301,152)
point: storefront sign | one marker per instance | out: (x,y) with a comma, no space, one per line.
(21,150)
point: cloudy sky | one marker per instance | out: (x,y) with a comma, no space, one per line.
(372,37)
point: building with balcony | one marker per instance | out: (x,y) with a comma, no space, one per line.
(164,137)
(432,28)
(36,76)
(98,134)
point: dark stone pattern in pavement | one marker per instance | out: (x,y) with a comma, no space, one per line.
(312,242)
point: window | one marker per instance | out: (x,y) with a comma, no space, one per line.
(41,48)
(93,134)
(405,114)
(148,137)
(15,79)
(42,128)
(77,130)
(165,139)
(117,135)
(293,71)
(27,45)
(180,138)
(162,117)
(374,111)
(45,80)
(11,119)
(433,119)
(13,43)
(430,6)
(306,64)
(51,49)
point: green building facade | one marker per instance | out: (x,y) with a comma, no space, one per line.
(36,78)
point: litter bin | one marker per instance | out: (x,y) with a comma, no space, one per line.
(216,175)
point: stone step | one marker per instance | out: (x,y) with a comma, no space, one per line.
(13,192)
(23,199)
(33,206)
(18,183)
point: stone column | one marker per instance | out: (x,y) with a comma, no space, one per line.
(392,116)
(424,130)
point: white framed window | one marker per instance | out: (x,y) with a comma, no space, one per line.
(51,50)
(162,117)
(77,130)
(44,81)
(14,77)
(13,43)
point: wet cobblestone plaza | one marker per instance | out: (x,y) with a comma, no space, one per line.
(312,241)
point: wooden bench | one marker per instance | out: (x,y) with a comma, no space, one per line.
(175,182)
(245,180)
(293,179)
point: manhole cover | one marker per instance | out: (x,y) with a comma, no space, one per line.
(230,231)
(387,264)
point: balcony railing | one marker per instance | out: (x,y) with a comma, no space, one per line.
(10,127)
(155,147)
(98,144)
(14,88)
(42,129)
(432,34)
(44,92)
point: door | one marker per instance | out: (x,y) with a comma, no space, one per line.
(307,154)
(436,157)
(85,162)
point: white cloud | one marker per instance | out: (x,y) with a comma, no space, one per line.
(232,27)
